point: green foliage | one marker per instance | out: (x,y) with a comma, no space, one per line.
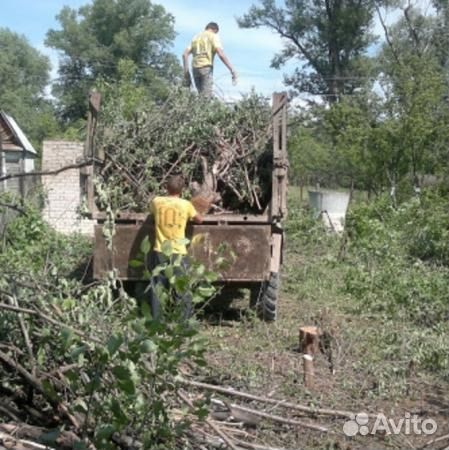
(390,138)
(94,39)
(309,157)
(399,270)
(24,75)
(123,365)
(31,245)
(328,38)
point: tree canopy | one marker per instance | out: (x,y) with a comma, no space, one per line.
(96,37)
(24,75)
(328,39)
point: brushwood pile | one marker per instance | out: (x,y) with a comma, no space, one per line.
(222,150)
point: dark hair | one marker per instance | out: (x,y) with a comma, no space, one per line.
(212,26)
(175,184)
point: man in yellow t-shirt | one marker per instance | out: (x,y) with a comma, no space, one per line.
(171,214)
(203,47)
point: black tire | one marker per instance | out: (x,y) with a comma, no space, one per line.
(265,298)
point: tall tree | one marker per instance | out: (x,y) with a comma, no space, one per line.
(415,87)
(24,76)
(327,37)
(93,40)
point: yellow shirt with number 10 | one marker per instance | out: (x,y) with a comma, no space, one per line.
(171,215)
(203,47)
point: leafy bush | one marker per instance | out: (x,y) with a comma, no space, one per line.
(31,245)
(101,362)
(399,272)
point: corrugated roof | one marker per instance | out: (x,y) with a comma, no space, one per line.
(19,134)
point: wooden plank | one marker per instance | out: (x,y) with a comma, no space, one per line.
(280,158)
(276,253)
(274,204)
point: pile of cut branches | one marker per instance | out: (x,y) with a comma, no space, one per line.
(223,151)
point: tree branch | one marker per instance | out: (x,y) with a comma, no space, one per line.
(214,426)
(84,163)
(387,35)
(412,30)
(50,320)
(280,403)
(35,383)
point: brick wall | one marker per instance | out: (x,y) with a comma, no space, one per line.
(63,190)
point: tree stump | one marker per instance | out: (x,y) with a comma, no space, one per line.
(309,346)
(309,338)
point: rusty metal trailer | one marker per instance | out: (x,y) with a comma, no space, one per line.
(255,241)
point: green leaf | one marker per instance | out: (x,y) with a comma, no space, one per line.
(77,351)
(49,389)
(118,412)
(104,432)
(124,380)
(181,284)
(145,245)
(169,272)
(148,346)
(67,336)
(41,356)
(114,343)
(200,270)
(135,264)
(206,291)
(202,413)
(68,303)
(167,248)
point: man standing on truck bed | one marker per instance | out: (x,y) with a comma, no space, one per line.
(171,214)
(203,48)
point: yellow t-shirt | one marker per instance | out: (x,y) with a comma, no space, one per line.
(203,48)
(171,215)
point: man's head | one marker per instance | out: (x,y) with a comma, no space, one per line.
(175,185)
(212,26)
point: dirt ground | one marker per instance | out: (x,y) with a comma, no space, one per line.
(264,359)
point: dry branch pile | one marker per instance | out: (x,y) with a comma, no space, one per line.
(223,151)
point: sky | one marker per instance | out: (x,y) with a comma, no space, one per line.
(249,50)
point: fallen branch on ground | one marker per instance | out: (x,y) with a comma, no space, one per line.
(214,426)
(280,419)
(281,403)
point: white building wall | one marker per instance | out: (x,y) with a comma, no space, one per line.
(64,190)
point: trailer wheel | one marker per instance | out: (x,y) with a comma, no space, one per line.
(265,298)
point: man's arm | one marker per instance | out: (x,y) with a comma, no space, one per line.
(227,63)
(198,219)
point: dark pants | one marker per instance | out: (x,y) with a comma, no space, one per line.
(182,299)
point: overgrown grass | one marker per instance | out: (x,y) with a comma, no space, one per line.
(378,292)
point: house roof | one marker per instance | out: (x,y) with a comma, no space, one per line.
(15,137)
